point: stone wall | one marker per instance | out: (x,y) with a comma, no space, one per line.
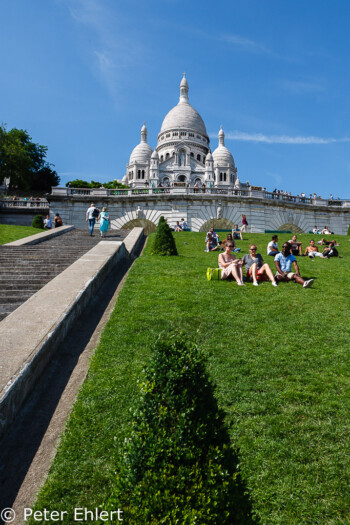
(199,209)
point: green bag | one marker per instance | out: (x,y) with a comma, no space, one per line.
(214,274)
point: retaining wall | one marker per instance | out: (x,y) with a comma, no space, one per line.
(32,334)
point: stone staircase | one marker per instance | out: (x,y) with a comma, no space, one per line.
(25,270)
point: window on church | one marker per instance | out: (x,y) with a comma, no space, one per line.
(143,174)
(167,135)
(183,133)
(138,174)
(198,157)
(192,154)
(191,134)
(220,177)
(175,134)
(167,155)
(161,158)
(224,177)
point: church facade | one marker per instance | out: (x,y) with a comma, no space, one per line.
(182,156)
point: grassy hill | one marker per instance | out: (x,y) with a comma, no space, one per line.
(279,357)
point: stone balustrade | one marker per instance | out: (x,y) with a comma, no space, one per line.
(248,192)
(21,203)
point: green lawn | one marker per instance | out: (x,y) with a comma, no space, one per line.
(9,232)
(280,359)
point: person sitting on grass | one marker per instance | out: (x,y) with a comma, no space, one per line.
(178,227)
(255,267)
(230,266)
(213,234)
(272,247)
(312,250)
(229,239)
(236,232)
(296,246)
(283,263)
(184,225)
(212,243)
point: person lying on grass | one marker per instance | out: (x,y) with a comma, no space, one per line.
(212,243)
(256,269)
(330,251)
(283,263)
(230,266)
(312,250)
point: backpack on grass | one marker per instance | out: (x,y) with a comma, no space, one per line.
(214,274)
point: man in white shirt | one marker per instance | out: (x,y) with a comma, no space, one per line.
(283,263)
(91,218)
(47,223)
(272,247)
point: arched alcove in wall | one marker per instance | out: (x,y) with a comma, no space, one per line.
(289,226)
(148,226)
(217,224)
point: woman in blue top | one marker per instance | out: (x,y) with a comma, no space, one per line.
(104,222)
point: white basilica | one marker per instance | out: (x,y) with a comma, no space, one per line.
(182,156)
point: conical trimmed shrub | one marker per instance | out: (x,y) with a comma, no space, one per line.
(177,465)
(164,243)
(38,222)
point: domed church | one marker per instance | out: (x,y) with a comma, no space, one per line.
(182,156)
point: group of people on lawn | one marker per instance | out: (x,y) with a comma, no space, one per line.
(256,269)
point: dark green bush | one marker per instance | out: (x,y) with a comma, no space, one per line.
(38,222)
(177,465)
(164,243)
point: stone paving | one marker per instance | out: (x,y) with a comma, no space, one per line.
(25,270)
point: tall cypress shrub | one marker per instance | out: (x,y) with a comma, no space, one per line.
(164,243)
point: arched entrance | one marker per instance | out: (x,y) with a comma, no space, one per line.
(148,226)
(181,178)
(217,224)
(289,226)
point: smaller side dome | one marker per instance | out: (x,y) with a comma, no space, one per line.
(222,156)
(142,152)
(209,156)
(155,155)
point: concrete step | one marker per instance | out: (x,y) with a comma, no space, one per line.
(26,269)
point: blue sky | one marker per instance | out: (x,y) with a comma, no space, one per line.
(82,75)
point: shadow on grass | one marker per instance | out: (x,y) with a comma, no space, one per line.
(178,465)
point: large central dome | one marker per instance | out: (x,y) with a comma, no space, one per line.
(184,115)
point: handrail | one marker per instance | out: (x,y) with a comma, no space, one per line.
(255,192)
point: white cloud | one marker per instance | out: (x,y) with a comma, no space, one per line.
(279,139)
(303,87)
(110,50)
(246,43)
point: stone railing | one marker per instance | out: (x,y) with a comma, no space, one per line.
(21,203)
(180,190)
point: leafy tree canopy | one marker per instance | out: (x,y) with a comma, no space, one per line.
(78,183)
(24,162)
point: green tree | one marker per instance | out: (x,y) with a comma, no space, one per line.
(24,162)
(164,243)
